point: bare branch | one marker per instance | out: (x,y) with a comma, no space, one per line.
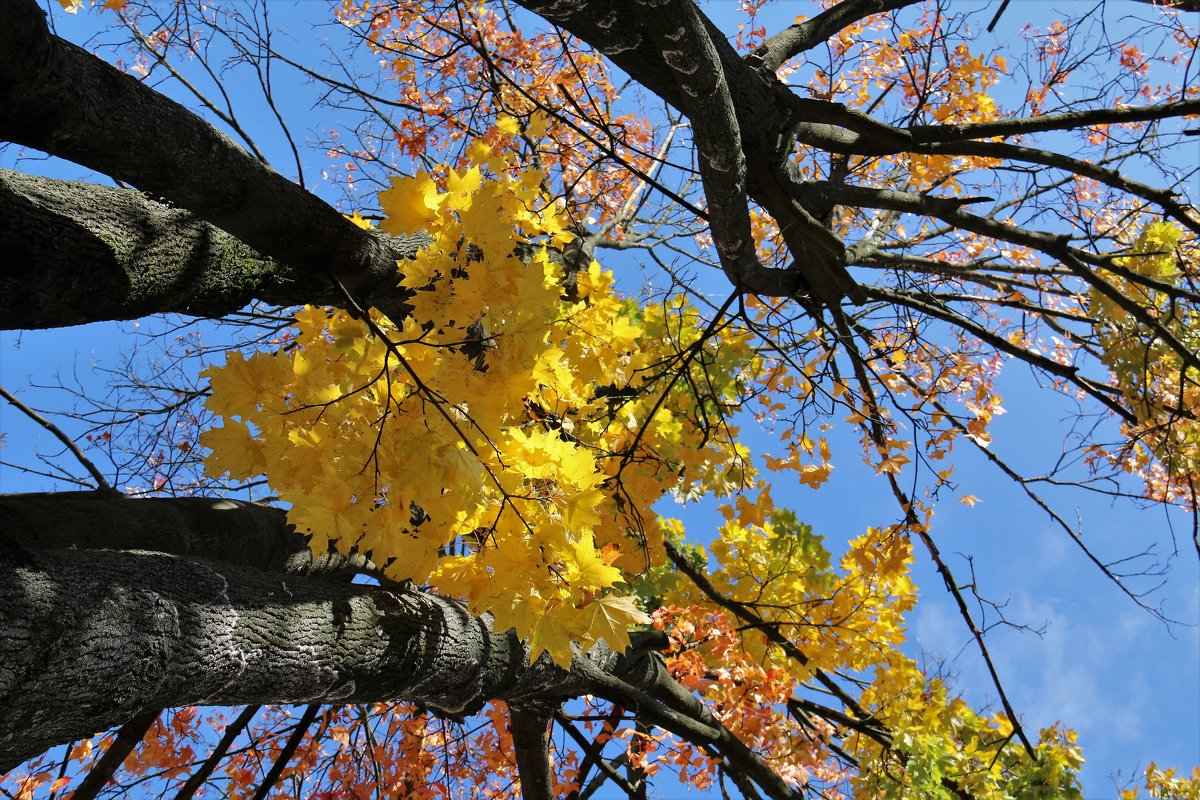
(101,483)
(928,134)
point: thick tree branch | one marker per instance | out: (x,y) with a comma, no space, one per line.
(142,257)
(690,57)
(608,26)
(242,533)
(676,52)
(89,639)
(58,98)
(234,531)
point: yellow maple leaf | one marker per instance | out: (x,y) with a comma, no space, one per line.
(551,636)
(487,220)
(242,384)
(331,513)
(410,204)
(759,511)
(610,619)
(577,468)
(588,569)
(814,475)
(233,451)
(624,333)
(580,513)
(538,124)
(480,153)
(461,187)
(508,124)
(892,464)
(458,576)
(516,610)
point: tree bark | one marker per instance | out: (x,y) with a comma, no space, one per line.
(77,253)
(741,130)
(60,99)
(236,531)
(90,638)
(98,627)
(529,724)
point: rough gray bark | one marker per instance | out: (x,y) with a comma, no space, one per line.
(243,533)
(60,99)
(77,252)
(802,36)
(91,637)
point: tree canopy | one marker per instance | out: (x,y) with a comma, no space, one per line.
(412,472)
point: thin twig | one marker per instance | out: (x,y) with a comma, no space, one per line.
(101,484)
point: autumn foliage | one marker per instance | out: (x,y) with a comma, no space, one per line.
(509,439)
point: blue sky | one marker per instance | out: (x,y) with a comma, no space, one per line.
(1129,684)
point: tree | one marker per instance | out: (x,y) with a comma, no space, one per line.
(511,418)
